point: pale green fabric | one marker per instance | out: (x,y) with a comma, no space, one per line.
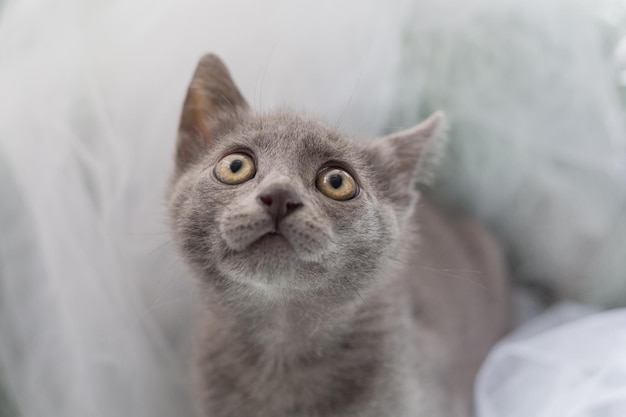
(538,133)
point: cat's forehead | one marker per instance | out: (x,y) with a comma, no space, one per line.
(285,136)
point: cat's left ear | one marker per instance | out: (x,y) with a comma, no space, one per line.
(409,157)
(213,105)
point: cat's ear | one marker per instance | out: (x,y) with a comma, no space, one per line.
(409,157)
(213,103)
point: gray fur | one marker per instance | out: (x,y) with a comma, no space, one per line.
(348,314)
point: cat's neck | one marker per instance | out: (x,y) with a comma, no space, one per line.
(297,323)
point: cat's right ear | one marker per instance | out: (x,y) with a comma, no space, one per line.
(409,157)
(213,104)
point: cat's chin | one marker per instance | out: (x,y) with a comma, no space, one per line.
(267,258)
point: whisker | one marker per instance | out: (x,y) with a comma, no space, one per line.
(353,287)
(455,276)
(267,64)
(345,109)
(448,273)
(228,101)
(159,247)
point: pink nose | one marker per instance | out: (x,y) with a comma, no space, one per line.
(279,202)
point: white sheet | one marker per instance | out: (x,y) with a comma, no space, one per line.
(568,362)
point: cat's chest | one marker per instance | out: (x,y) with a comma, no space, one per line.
(371,365)
(351,378)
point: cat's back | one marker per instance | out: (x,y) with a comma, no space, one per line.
(459,290)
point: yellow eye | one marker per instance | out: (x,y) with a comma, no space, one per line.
(235,168)
(337,184)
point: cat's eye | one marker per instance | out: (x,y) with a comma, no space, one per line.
(235,168)
(337,184)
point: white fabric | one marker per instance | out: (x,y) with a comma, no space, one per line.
(568,362)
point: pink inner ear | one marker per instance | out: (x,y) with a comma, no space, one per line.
(195,126)
(196,111)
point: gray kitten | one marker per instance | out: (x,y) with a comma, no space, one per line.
(322,299)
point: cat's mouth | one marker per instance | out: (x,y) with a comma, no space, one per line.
(273,236)
(305,237)
(271,244)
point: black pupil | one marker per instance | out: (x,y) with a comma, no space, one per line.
(335,180)
(236,165)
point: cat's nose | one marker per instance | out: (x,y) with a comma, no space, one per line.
(279,202)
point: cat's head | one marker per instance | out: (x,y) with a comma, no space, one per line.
(282,202)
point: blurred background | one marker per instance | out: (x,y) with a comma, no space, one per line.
(95,309)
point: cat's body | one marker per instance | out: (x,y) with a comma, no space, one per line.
(326,296)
